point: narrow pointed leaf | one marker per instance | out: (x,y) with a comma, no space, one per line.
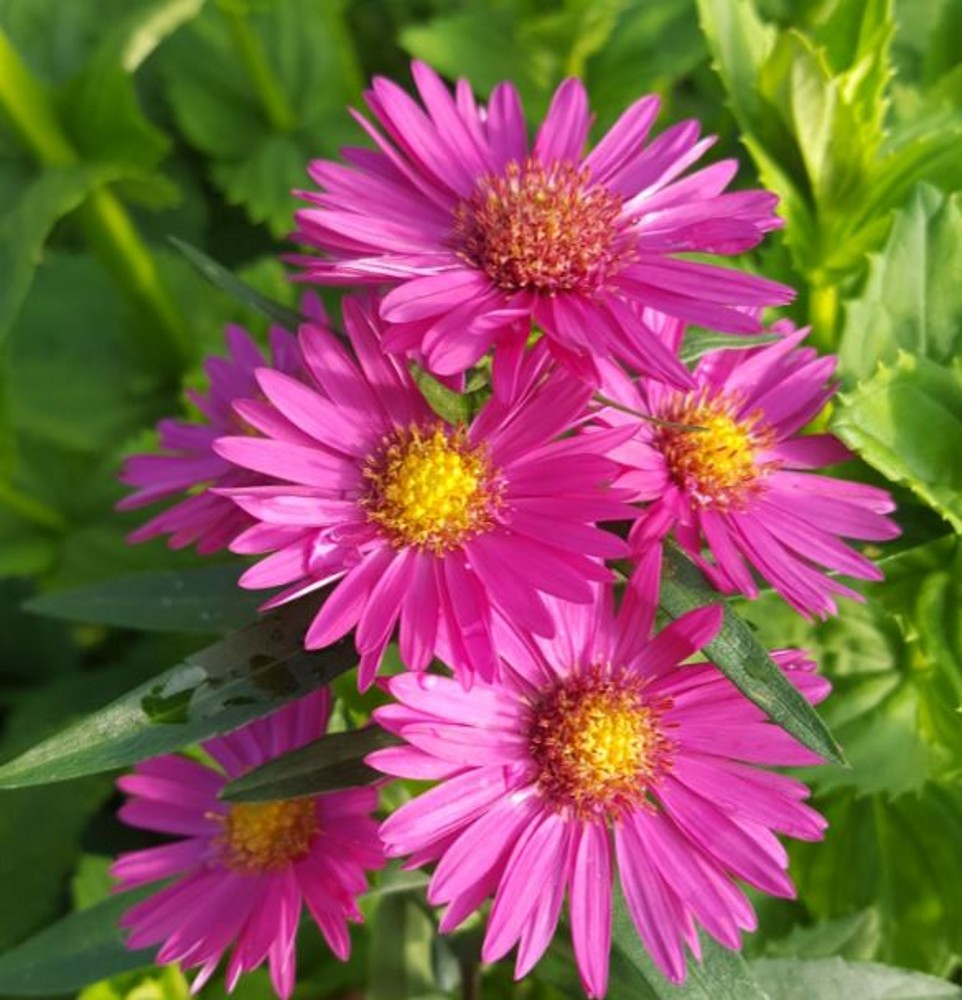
(204,599)
(223,279)
(742,658)
(449,405)
(215,690)
(84,947)
(698,342)
(332,762)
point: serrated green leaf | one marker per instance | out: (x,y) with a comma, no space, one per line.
(805,978)
(261,90)
(856,936)
(737,652)
(205,599)
(906,421)
(221,278)
(912,300)
(215,690)
(81,948)
(329,763)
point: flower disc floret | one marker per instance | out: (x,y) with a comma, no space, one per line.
(266,836)
(598,744)
(429,488)
(717,461)
(541,227)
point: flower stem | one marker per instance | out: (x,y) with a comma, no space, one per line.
(273,100)
(104,220)
(658,422)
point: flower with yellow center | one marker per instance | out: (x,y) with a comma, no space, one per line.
(598,743)
(429,488)
(541,227)
(262,837)
(716,462)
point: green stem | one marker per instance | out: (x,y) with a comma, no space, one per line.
(273,100)
(105,221)
(30,508)
(823,307)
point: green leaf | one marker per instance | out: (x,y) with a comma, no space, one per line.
(699,342)
(402,936)
(804,978)
(261,89)
(906,421)
(205,599)
(213,691)
(453,407)
(856,936)
(721,975)
(912,300)
(220,277)
(81,948)
(329,763)
(737,652)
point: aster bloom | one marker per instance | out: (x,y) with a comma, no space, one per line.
(476,228)
(597,751)
(188,464)
(743,486)
(241,872)
(422,523)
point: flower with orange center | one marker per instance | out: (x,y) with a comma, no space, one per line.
(238,875)
(598,743)
(541,227)
(475,229)
(717,462)
(265,836)
(430,489)
(602,754)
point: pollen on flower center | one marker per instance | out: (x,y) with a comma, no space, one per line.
(717,465)
(541,227)
(598,743)
(264,836)
(431,489)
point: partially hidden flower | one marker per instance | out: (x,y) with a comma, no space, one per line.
(735,481)
(187,464)
(477,228)
(421,523)
(598,756)
(242,872)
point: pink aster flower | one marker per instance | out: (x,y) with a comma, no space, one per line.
(743,487)
(598,752)
(188,464)
(423,523)
(241,872)
(476,228)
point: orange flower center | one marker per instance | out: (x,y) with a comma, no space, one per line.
(431,489)
(717,465)
(598,744)
(544,228)
(265,836)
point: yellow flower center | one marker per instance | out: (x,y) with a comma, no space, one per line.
(598,744)
(430,489)
(265,836)
(718,465)
(545,228)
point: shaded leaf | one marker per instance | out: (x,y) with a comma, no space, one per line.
(906,421)
(737,652)
(856,937)
(78,949)
(215,690)
(205,599)
(329,763)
